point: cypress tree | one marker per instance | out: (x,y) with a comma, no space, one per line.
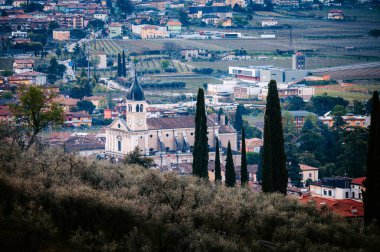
(200,152)
(275,176)
(266,171)
(119,68)
(259,173)
(230,168)
(124,67)
(238,119)
(218,171)
(220,112)
(371,195)
(243,169)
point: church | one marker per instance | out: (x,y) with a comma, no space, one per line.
(167,140)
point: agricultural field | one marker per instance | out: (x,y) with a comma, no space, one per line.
(350,92)
(193,83)
(155,66)
(106,45)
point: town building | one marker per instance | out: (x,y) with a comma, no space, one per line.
(101,16)
(220,11)
(23,65)
(174,26)
(253,144)
(350,120)
(227,87)
(267,73)
(34,78)
(347,208)
(75,21)
(298,61)
(232,3)
(115,30)
(150,31)
(357,188)
(299,117)
(309,173)
(334,187)
(6,116)
(168,140)
(335,15)
(77,120)
(61,34)
(267,22)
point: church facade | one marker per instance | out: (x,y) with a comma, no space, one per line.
(166,140)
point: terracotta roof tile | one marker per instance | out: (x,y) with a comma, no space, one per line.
(182,122)
(358,181)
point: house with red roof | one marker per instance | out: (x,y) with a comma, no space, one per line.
(338,188)
(335,15)
(347,208)
(174,26)
(6,116)
(357,188)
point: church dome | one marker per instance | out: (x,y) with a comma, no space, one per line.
(135,92)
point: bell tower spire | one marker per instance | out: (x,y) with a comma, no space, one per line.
(136,107)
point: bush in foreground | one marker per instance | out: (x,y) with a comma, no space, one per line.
(56,201)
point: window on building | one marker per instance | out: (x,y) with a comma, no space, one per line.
(137,108)
(330,193)
(324,192)
(118,126)
(360,196)
(353,195)
(119,145)
(310,175)
(151,136)
(167,135)
(141,108)
(347,195)
(191,133)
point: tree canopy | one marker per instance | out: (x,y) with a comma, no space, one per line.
(38,110)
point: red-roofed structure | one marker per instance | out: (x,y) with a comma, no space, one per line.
(347,208)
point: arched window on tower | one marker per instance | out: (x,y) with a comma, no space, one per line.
(129,107)
(137,108)
(141,108)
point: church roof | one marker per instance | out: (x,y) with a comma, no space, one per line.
(135,92)
(184,122)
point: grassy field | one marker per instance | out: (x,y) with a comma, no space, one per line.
(351,92)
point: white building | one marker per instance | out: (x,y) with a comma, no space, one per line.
(227,86)
(309,173)
(115,30)
(255,74)
(36,78)
(23,65)
(166,140)
(357,188)
(101,16)
(269,22)
(334,188)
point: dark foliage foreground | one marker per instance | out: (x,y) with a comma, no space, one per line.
(51,201)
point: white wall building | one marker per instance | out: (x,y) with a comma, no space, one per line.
(334,188)
(269,22)
(227,86)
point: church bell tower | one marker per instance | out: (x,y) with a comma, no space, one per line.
(136,108)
